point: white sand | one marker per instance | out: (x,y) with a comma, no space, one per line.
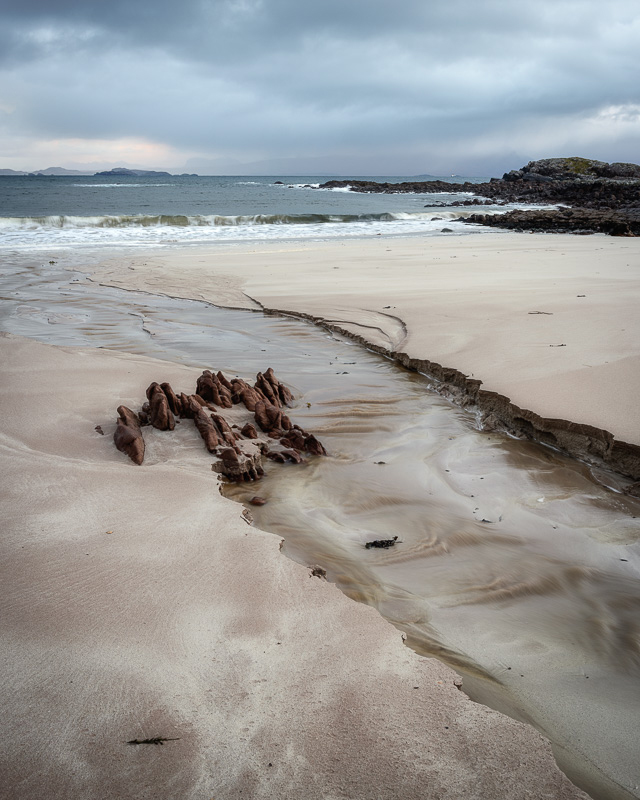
(136,602)
(461,301)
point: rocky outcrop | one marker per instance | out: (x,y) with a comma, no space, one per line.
(219,410)
(610,191)
(563,220)
(574,168)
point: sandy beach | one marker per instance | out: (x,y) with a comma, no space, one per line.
(139,603)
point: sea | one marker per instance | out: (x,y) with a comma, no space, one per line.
(40,212)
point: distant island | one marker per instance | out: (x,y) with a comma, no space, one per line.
(48,171)
(143,173)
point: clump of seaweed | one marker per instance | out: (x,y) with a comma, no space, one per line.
(382,543)
(154,740)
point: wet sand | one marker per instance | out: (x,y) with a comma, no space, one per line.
(549,321)
(138,603)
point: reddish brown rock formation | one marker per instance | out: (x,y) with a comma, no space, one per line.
(286,423)
(286,398)
(241,466)
(206,388)
(271,420)
(213,390)
(204,424)
(243,393)
(294,438)
(143,414)
(185,407)
(264,386)
(174,403)
(225,431)
(160,415)
(226,383)
(268,417)
(276,455)
(277,394)
(249,431)
(313,446)
(239,460)
(128,436)
(293,455)
(200,401)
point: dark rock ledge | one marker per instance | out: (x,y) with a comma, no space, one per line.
(602,198)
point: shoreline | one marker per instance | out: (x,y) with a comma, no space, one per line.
(584,409)
(130,615)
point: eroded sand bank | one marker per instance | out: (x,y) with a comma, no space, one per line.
(137,603)
(547,321)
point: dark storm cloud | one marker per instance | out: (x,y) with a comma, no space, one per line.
(268,78)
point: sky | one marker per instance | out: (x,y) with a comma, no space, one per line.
(367,87)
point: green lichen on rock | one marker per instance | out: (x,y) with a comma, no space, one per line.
(575,168)
(581,166)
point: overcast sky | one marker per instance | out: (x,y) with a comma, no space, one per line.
(472,87)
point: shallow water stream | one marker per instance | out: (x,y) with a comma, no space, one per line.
(513,564)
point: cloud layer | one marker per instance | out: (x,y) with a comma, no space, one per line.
(365,86)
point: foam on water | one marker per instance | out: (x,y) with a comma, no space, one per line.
(116,185)
(141,229)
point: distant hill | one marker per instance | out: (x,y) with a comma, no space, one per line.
(137,173)
(47,171)
(59,171)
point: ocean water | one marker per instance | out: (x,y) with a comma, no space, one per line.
(107,211)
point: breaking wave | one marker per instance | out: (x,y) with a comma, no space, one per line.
(197,220)
(160,229)
(116,185)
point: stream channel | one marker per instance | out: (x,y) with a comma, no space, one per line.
(515,565)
